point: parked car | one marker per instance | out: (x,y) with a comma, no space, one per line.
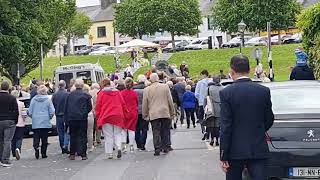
(275,39)
(257,41)
(296,38)
(104,51)
(234,42)
(28,121)
(198,44)
(88,49)
(180,46)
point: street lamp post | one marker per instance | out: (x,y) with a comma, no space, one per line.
(241,28)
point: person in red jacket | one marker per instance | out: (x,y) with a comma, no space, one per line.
(131,100)
(111,112)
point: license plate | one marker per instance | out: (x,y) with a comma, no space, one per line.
(304,172)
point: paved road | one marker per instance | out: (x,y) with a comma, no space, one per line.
(191,160)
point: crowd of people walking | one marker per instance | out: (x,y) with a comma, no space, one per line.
(120,111)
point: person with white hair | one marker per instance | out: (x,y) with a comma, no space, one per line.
(128,71)
(86,89)
(131,101)
(111,113)
(9,114)
(158,108)
(95,88)
(78,106)
(41,111)
(142,125)
(16,142)
(59,100)
(180,88)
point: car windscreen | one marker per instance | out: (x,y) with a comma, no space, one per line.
(197,42)
(86,76)
(297,100)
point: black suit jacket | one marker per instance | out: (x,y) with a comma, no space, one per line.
(246,114)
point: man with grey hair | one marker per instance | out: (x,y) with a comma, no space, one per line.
(78,106)
(158,108)
(59,101)
(180,88)
(9,114)
(142,125)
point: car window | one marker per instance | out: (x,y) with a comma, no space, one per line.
(197,42)
(86,76)
(66,77)
(205,42)
(291,99)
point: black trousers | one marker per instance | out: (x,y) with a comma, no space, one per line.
(256,169)
(41,134)
(141,132)
(201,117)
(161,133)
(214,132)
(190,115)
(78,137)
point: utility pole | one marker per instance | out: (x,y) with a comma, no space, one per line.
(41,62)
(271,74)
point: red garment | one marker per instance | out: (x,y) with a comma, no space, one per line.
(131,100)
(148,74)
(111,108)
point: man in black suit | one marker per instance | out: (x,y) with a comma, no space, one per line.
(246,115)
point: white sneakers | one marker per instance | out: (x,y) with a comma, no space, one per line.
(18,154)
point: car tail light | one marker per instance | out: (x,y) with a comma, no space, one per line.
(268,138)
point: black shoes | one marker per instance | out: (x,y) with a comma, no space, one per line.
(119,155)
(84,158)
(175,125)
(44,156)
(37,153)
(157,153)
(217,143)
(211,143)
(65,151)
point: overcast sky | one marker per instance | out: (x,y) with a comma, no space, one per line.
(82,3)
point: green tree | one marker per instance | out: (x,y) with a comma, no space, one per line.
(137,19)
(26,25)
(282,14)
(143,17)
(179,17)
(309,23)
(78,27)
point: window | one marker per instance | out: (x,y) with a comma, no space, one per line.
(66,77)
(99,76)
(102,31)
(205,42)
(86,76)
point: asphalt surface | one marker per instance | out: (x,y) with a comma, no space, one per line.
(191,159)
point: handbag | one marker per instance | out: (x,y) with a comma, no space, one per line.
(208,110)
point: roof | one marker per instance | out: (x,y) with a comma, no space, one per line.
(96,14)
(292,84)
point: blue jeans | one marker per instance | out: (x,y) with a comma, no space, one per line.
(16,142)
(64,137)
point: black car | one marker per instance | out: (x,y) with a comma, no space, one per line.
(294,139)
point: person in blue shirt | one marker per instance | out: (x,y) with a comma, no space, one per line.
(189,105)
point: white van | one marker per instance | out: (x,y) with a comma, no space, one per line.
(198,44)
(90,73)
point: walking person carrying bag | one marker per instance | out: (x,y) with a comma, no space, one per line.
(212,110)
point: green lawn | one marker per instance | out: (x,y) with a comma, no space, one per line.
(214,60)
(107,62)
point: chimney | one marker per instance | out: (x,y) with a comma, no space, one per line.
(106,3)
